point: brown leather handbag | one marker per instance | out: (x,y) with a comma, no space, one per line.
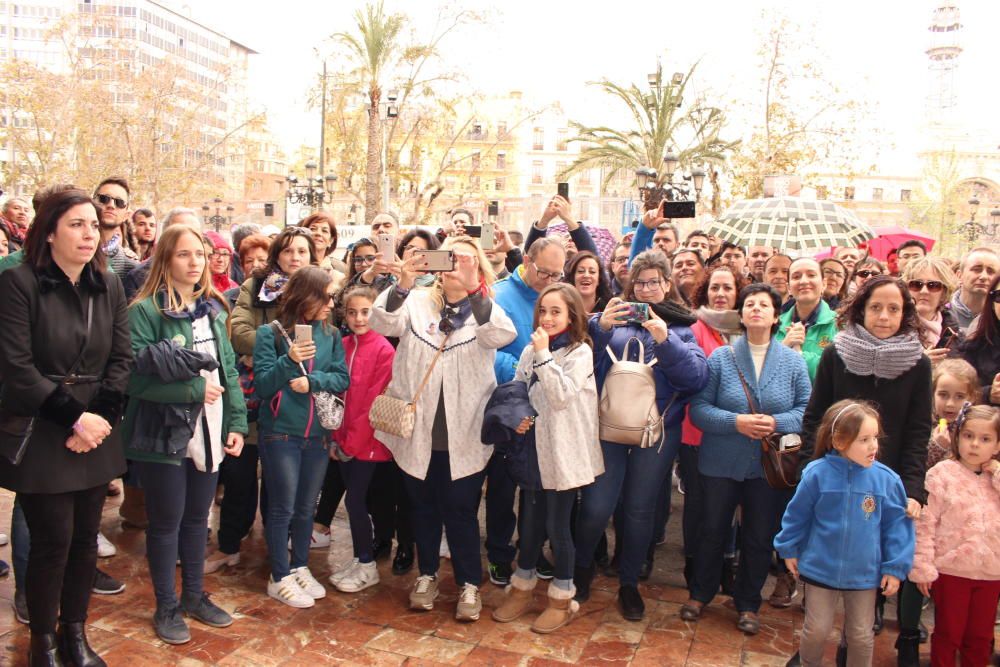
(780,460)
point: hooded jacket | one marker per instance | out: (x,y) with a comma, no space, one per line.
(369,361)
(847,525)
(517,299)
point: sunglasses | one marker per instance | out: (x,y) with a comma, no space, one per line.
(865,273)
(933,286)
(104,200)
(995,296)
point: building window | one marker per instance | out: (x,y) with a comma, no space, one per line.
(536,172)
(561,143)
(585,177)
(821,192)
(876,194)
(904,195)
(538,142)
(502,129)
(499,185)
(475,160)
(849,192)
(501,160)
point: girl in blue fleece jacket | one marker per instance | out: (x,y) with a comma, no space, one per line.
(845,532)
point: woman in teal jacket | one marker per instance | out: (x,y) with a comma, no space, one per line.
(293,444)
(808,327)
(179,308)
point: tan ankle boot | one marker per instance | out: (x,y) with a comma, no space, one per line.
(518,601)
(562,607)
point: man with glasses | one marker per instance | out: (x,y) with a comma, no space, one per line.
(543,265)
(909,251)
(111,201)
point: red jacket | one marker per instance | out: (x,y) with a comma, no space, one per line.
(708,340)
(369,362)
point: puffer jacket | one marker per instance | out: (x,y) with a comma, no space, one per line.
(958,532)
(369,362)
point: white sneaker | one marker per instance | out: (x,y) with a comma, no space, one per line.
(320,540)
(287,590)
(308,583)
(343,570)
(104,547)
(359,578)
(4,539)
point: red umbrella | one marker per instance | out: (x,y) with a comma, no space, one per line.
(888,238)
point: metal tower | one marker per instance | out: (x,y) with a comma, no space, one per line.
(943,51)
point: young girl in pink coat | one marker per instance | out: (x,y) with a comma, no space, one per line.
(369,361)
(958,541)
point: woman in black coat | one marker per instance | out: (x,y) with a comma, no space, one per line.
(982,347)
(878,357)
(71,379)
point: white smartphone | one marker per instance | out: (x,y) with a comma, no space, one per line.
(303,333)
(488,239)
(387,247)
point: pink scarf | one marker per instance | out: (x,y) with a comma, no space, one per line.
(930,331)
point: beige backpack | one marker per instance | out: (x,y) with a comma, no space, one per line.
(627,413)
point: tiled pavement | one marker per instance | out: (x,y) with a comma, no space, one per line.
(376,628)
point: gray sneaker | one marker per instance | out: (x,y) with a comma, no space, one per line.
(425,591)
(470,604)
(204,610)
(21,606)
(170,626)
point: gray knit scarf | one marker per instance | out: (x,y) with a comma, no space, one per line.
(887,358)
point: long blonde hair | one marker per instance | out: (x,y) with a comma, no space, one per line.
(485,268)
(159,272)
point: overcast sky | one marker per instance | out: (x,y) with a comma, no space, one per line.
(549,49)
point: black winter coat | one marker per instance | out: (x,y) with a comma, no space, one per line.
(44,324)
(904,404)
(985,358)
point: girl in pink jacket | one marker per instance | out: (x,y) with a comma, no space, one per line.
(369,361)
(958,540)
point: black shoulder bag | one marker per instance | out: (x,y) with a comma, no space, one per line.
(15,430)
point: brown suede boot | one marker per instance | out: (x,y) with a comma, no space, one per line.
(562,607)
(133,508)
(518,601)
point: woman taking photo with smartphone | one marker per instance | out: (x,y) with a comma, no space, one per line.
(66,360)
(178,315)
(293,444)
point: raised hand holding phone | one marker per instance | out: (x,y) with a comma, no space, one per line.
(466,270)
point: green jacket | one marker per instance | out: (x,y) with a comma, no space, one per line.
(818,337)
(282,410)
(149,326)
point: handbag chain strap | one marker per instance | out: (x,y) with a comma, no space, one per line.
(289,341)
(743,381)
(86,341)
(427,375)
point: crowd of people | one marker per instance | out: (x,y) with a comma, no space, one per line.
(832,422)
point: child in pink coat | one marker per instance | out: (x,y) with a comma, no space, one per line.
(369,361)
(958,541)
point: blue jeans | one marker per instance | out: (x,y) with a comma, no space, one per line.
(293,468)
(635,475)
(20,545)
(438,499)
(762,509)
(178,498)
(547,513)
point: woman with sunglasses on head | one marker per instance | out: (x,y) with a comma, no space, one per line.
(448,336)
(931,283)
(634,474)
(982,347)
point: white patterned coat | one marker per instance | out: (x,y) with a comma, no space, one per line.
(464,372)
(565,398)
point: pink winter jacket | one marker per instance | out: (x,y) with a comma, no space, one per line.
(958,532)
(708,340)
(369,361)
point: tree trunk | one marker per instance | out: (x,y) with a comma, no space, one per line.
(373,171)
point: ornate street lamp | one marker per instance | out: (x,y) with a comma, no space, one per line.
(217,219)
(973,230)
(311,192)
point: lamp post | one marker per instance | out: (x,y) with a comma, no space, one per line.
(217,219)
(310,191)
(972,230)
(387,110)
(669,184)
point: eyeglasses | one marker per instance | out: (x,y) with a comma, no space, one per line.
(222,255)
(865,273)
(830,273)
(547,275)
(104,200)
(933,286)
(364,259)
(646,284)
(995,296)
(619,260)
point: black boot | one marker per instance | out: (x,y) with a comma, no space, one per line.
(44,651)
(74,647)
(908,649)
(879,614)
(582,578)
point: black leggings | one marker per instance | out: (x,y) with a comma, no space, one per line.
(63,556)
(357,476)
(333,492)
(389,505)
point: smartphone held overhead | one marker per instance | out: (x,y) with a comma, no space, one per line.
(435,261)
(387,247)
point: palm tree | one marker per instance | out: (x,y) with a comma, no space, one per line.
(373,46)
(661,124)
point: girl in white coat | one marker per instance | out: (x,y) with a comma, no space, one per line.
(559,369)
